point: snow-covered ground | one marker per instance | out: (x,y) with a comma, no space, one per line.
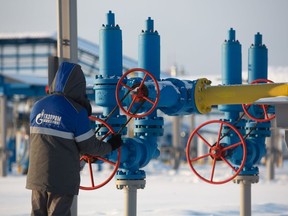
(166,193)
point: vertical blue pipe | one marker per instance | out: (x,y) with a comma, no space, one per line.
(231,70)
(257,60)
(110,65)
(149,49)
(110,48)
(231,60)
(231,75)
(150,126)
(257,69)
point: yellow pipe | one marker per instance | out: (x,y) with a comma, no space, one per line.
(206,95)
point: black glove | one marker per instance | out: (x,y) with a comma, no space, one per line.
(115,141)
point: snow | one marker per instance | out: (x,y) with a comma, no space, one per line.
(167,192)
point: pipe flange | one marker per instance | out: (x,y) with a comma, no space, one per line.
(201,85)
(246,179)
(130,184)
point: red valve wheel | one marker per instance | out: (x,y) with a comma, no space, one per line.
(215,151)
(266,116)
(139,94)
(91,159)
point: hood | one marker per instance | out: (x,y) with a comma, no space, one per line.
(70,82)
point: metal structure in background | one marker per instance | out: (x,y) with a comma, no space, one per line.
(25,56)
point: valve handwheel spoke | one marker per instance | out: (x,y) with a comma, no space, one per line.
(215,152)
(265,116)
(90,160)
(139,94)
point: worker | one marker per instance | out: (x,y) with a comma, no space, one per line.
(60,131)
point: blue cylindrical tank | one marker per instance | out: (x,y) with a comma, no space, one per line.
(110,48)
(149,49)
(231,69)
(257,60)
(110,60)
(231,60)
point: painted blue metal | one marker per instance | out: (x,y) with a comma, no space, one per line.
(11,89)
(110,58)
(254,132)
(110,48)
(149,49)
(257,60)
(231,60)
(11,148)
(258,69)
(138,151)
(177,97)
(231,69)
(135,152)
(149,127)
(232,74)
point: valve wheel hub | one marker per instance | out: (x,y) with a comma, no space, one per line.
(216,152)
(139,92)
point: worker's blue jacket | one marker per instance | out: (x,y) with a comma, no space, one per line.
(60,131)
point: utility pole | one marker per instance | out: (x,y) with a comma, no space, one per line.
(3,126)
(67,44)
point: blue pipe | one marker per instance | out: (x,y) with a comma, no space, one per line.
(110,60)
(137,152)
(149,49)
(231,71)
(257,60)
(110,48)
(258,131)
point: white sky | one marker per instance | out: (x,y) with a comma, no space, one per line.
(192,31)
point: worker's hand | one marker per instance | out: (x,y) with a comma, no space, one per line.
(115,141)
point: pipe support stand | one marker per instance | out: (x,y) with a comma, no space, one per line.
(246,179)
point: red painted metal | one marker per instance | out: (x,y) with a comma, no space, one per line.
(216,151)
(138,93)
(89,159)
(267,116)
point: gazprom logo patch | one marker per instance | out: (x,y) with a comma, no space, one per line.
(48,118)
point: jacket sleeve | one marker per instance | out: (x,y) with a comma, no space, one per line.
(86,140)
(93,146)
